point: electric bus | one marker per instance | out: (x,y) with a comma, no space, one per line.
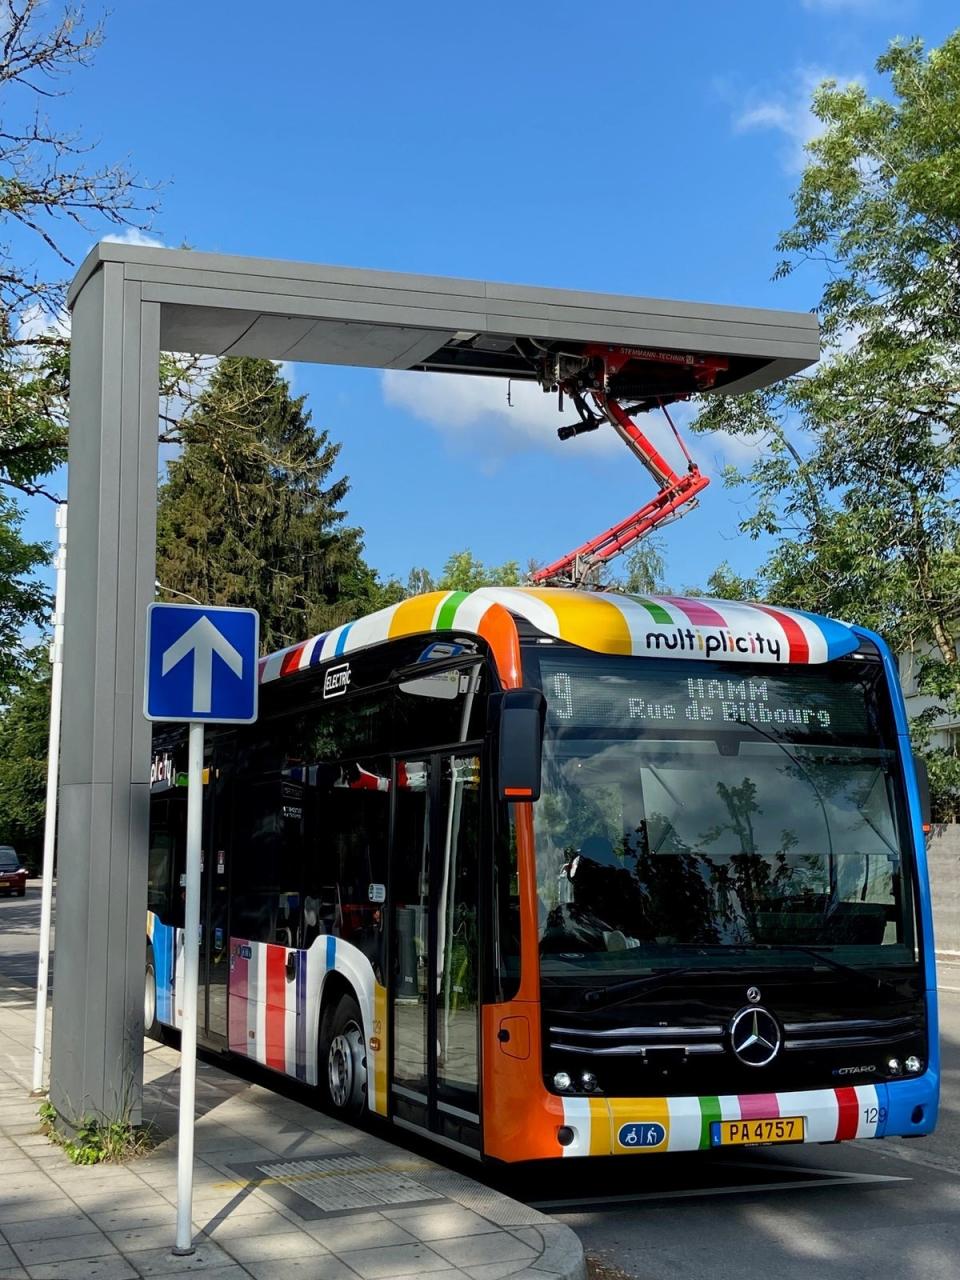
(552,873)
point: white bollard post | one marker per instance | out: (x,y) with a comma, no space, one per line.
(50,816)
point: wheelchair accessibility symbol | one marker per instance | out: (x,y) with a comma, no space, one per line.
(639,1136)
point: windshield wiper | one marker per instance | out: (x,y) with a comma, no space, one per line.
(626,988)
(848,969)
(629,985)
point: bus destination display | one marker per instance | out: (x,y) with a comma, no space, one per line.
(611,693)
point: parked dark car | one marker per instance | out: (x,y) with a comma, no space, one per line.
(13,876)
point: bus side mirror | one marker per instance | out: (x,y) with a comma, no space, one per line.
(522,714)
(923,787)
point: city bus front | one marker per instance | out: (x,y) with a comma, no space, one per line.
(732,909)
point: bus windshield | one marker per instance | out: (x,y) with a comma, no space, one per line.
(692,816)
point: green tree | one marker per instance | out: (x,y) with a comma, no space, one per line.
(724,583)
(462,571)
(24,731)
(249,513)
(23,601)
(857,481)
(644,568)
(50,184)
(419,581)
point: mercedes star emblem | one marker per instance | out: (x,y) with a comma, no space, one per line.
(753,995)
(755,1037)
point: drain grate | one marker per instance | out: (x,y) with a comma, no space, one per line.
(338,1184)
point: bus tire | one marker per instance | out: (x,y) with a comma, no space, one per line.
(151,1027)
(343,1058)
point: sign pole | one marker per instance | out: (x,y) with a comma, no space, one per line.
(201,665)
(188,1017)
(50,817)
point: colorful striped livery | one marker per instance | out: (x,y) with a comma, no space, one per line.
(602,1126)
(641,626)
(274,995)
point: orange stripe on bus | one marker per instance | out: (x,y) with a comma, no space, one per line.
(593,622)
(499,630)
(416,614)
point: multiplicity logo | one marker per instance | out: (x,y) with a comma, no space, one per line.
(714,643)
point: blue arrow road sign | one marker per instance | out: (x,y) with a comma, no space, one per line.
(201,663)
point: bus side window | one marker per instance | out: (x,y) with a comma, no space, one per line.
(166,858)
(162,880)
(440,707)
(267,853)
(346,857)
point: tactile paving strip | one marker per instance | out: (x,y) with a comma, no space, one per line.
(339,1184)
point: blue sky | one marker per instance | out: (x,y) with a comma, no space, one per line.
(628,147)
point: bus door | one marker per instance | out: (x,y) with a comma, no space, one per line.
(435,1011)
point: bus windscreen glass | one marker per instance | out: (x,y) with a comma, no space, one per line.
(690,815)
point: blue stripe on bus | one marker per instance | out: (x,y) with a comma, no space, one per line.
(840,639)
(162,957)
(331,956)
(318,649)
(301,1015)
(342,639)
(903,1096)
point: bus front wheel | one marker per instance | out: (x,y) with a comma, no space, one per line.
(150,1025)
(343,1060)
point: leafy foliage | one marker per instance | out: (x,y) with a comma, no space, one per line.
(24,731)
(462,571)
(49,185)
(23,600)
(96,1140)
(857,480)
(644,568)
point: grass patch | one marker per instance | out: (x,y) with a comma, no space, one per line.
(96,1139)
(597,1270)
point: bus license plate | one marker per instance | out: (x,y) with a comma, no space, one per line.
(741,1133)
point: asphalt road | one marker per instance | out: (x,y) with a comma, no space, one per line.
(857,1211)
(19,934)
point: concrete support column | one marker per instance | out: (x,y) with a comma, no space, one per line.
(97,1050)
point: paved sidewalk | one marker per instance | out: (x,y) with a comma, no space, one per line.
(281,1192)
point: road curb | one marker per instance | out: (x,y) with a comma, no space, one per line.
(265,1163)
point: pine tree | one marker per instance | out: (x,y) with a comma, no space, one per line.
(249,514)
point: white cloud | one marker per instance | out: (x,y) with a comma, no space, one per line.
(464,409)
(739,450)
(133,235)
(788,112)
(473,411)
(36,322)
